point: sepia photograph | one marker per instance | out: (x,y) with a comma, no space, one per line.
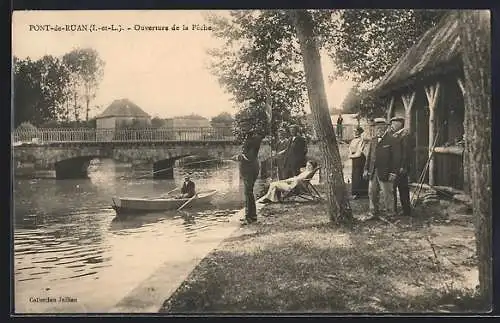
(282,161)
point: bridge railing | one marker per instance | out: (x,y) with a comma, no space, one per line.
(123,135)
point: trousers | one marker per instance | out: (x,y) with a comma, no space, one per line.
(375,186)
(249,172)
(401,185)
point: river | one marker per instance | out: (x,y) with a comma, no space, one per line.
(67,242)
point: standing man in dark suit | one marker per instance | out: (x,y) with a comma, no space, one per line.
(401,152)
(294,154)
(340,130)
(249,168)
(380,169)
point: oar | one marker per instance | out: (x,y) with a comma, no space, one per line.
(175,189)
(187,202)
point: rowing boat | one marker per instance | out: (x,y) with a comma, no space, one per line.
(131,205)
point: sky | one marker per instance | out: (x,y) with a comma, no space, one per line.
(164,72)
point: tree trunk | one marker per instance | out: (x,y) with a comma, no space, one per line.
(338,202)
(87,101)
(476,44)
(75,107)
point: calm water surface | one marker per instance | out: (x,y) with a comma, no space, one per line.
(67,241)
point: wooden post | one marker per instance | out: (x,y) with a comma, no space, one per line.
(432,93)
(408,101)
(417,152)
(465,159)
(461,85)
(390,108)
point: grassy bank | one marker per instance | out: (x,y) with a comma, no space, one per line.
(295,261)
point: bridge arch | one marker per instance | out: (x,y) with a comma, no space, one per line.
(69,160)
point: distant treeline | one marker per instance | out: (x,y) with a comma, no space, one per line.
(57,91)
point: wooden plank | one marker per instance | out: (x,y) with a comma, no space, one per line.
(390,108)
(432,93)
(408,101)
(461,85)
(453,150)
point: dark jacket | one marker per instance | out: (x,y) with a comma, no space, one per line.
(401,150)
(250,151)
(188,188)
(381,157)
(295,154)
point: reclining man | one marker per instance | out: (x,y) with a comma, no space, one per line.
(286,185)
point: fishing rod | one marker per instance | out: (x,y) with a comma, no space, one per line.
(186,164)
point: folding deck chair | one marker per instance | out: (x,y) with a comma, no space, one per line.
(304,190)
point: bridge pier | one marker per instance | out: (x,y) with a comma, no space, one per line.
(164,169)
(72,168)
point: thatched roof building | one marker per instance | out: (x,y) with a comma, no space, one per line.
(426,87)
(437,52)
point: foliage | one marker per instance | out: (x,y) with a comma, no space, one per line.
(86,70)
(223,122)
(254,113)
(26,126)
(261,61)
(51,124)
(133,124)
(191,116)
(38,89)
(333,110)
(368,42)
(46,88)
(224,118)
(157,122)
(352,100)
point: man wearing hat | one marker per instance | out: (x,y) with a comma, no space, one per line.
(294,155)
(380,169)
(401,135)
(188,188)
(249,167)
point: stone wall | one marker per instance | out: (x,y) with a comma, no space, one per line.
(46,156)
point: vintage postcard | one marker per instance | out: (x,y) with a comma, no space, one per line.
(251,161)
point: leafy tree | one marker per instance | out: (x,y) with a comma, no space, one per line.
(261,62)
(26,126)
(224,118)
(333,110)
(338,202)
(191,116)
(252,111)
(86,68)
(366,43)
(38,89)
(223,123)
(157,122)
(352,101)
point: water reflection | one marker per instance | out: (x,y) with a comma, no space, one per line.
(65,231)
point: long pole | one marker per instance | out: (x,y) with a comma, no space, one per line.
(269,111)
(188,201)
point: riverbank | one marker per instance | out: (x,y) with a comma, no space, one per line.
(295,261)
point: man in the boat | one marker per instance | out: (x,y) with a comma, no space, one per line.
(188,188)
(286,185)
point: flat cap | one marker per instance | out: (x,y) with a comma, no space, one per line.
(379,120)
(397,119)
